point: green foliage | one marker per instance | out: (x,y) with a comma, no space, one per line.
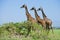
(18,31)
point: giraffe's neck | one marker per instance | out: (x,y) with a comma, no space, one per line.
(26,10)
(27,13)
(43,14)
(36,15)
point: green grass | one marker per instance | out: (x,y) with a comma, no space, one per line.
(56,35)
(18,31)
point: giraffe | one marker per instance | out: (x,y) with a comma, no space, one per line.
(29,17)
(48,21)
(38,19)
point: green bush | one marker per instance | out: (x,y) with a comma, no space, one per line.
(25,31)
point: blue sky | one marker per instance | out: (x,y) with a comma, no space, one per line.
(10,10)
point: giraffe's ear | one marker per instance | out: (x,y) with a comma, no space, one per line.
(22,6)
(38,9)
(32,8)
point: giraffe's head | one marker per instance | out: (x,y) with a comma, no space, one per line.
(23,6)
(40,9)
(33,8)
